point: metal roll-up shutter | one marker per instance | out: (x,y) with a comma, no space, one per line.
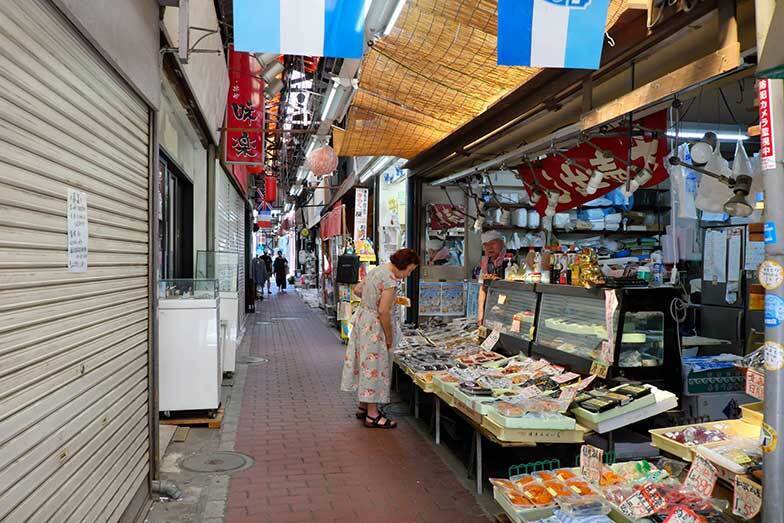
(74,423)
(230,230)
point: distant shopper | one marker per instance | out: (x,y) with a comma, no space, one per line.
(268,262)
(374,335)
(493,266)
(281,269)
(259,275)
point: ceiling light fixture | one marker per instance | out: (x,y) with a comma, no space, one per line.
(394,17)
(376,167)
(330,99)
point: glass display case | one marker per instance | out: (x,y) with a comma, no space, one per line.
(188,289)
(572,324)
(223,266)
(511,309)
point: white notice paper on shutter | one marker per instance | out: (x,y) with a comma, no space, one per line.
(77,231)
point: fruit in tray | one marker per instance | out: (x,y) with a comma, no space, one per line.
(579,487)
(565,474)
(557,489)
(691,436)
(538,494)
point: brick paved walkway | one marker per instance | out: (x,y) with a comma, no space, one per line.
(314,460)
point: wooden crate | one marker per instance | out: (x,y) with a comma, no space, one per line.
(193,421)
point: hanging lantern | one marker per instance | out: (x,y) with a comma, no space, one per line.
(323,161)
(270,188)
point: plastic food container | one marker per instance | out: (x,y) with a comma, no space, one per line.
(580,487)
(557,488)
(584,506)
(565,474)
(538,494)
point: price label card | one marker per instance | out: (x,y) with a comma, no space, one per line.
(642,503)
(516,325)
(530,392)
(501,299)
(746,498)
(568,394)
(681,514)
(536,365)
(565,377)
(610,306)
(701,477)
(584,383)
(591,463)
(491,340)
(599,370)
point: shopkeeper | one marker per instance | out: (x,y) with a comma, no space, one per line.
(492,266)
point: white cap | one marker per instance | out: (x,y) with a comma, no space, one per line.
(489,236)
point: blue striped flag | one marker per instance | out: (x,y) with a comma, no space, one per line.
(551,33)
(334,28)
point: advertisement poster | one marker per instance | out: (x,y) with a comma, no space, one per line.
(452,299)
(472,300)
(430,298)
(77,231)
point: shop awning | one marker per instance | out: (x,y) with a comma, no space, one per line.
(435,72)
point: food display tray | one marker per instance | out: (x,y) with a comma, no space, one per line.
(734,427)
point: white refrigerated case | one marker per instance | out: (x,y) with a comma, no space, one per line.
(190,368)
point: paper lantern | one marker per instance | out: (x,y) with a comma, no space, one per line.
(270,188)
(323,161)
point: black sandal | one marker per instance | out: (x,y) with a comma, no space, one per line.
(361,413)
(375,423)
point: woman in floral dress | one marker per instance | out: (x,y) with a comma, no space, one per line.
(374,335)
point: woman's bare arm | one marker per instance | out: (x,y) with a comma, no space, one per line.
(385,314)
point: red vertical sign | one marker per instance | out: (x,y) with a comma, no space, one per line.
(244,123)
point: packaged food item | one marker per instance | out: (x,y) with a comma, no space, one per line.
(503,483)
(544,475)
(635,391)
(598,405)
(673,467)
(518,499)
(509,409)
(697,435)
(557,488)
(616,494)
(538,494)
(522,480)
(564,474)
(584,506)
(738,455)
(609,477)
(580,487)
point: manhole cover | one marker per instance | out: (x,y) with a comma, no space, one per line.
(217,462)
(252,360)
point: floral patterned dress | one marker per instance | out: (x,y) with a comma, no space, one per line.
(368,363)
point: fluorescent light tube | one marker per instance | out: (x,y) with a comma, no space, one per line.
(330,100)
(394,17)
(696,135)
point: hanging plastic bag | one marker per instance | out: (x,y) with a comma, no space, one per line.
(684,186)
(712,194)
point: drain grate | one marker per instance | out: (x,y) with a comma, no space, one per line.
(252,360)
(212,462)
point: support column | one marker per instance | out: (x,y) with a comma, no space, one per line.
(773,462)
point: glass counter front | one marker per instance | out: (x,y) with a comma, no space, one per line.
(188,289)
(511,309)
(219,265)
(572,324)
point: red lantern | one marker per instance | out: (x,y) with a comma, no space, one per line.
(270,188)
(323,161)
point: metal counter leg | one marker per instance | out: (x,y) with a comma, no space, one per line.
(478,438)
(416,402)
(438,419)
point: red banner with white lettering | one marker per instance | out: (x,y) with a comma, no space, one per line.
(332,223)
(244,122)
(570,177)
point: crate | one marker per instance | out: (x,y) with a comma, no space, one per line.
(733,427)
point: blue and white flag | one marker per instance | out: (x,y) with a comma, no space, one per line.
(551,33)
(334,28)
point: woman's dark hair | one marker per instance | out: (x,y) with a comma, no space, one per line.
(402,258)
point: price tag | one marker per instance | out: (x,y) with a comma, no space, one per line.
(747,497)
(770,274)
(552,370)
(681,514)
(607,354)
(491,340)
(501,299)
(568,394)
(643,502)
(599,370)
(610,306)
(536,365)
(565,377)
(583,383)
(530,391)
(701,477)
(591,463)
(516,325)
(755,384)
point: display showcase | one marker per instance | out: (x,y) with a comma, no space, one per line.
(190,360)
(224,267)
(510,308)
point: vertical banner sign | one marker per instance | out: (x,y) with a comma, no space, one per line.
(767,149)
(610,307)
(244,141)
(360,214)
(591,463)
(551,33)
(76,209)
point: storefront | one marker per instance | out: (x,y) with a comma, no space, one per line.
(78,153)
